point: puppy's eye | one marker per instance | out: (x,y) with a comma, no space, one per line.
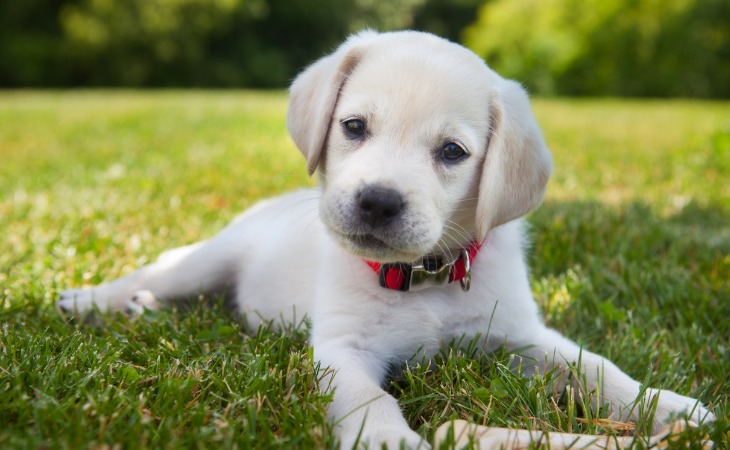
(354,127)
(453,152)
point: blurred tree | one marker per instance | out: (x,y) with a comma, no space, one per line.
(608,47)
(259,43)
(567,47)
(147,42)
(32,52)
(447,18)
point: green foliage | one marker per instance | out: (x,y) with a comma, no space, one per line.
(618,47)
(446,18)
(261,43)
(198,42)
(32,51)
(655,48)
(121,38)
(630,258)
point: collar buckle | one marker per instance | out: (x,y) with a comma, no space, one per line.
(432,271)
(466,280)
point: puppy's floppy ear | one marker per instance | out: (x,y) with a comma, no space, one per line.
(517,165)
(314,93)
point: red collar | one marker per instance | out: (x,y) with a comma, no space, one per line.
(432,271)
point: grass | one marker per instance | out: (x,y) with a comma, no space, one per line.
(631,257)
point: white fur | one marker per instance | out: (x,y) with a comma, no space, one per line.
(296,254)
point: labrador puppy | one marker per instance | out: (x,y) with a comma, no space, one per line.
(427,160)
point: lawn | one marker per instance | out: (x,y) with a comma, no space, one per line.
(631,257)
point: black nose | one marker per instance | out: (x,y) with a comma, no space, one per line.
(379,205)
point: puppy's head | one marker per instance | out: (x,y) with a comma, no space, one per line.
(420,147)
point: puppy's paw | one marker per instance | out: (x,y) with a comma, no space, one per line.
(104,297)
(76,301)
(672,405)
(140,302)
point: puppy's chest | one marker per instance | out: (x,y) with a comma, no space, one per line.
(461,318)
(417,325)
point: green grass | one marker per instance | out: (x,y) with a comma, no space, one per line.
(631,257)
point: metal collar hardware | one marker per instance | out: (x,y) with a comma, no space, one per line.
(431,271)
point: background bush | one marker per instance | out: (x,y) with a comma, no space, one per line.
(242,43)
(608,47)
(563,47)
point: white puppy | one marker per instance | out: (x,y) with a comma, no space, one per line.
(427,159)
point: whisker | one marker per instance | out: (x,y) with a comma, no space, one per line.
(459,231)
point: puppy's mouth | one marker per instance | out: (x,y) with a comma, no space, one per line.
(369,246)
(369,242)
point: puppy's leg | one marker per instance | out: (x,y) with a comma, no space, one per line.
(619,390)
(186,271)
(362,412)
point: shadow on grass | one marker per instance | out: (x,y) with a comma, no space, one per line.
(593,261)
(581,232)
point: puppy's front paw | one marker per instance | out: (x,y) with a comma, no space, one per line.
(76,301)
(672,405)
(140,302)
(106,298)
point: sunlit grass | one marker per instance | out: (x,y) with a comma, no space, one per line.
(630,258)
